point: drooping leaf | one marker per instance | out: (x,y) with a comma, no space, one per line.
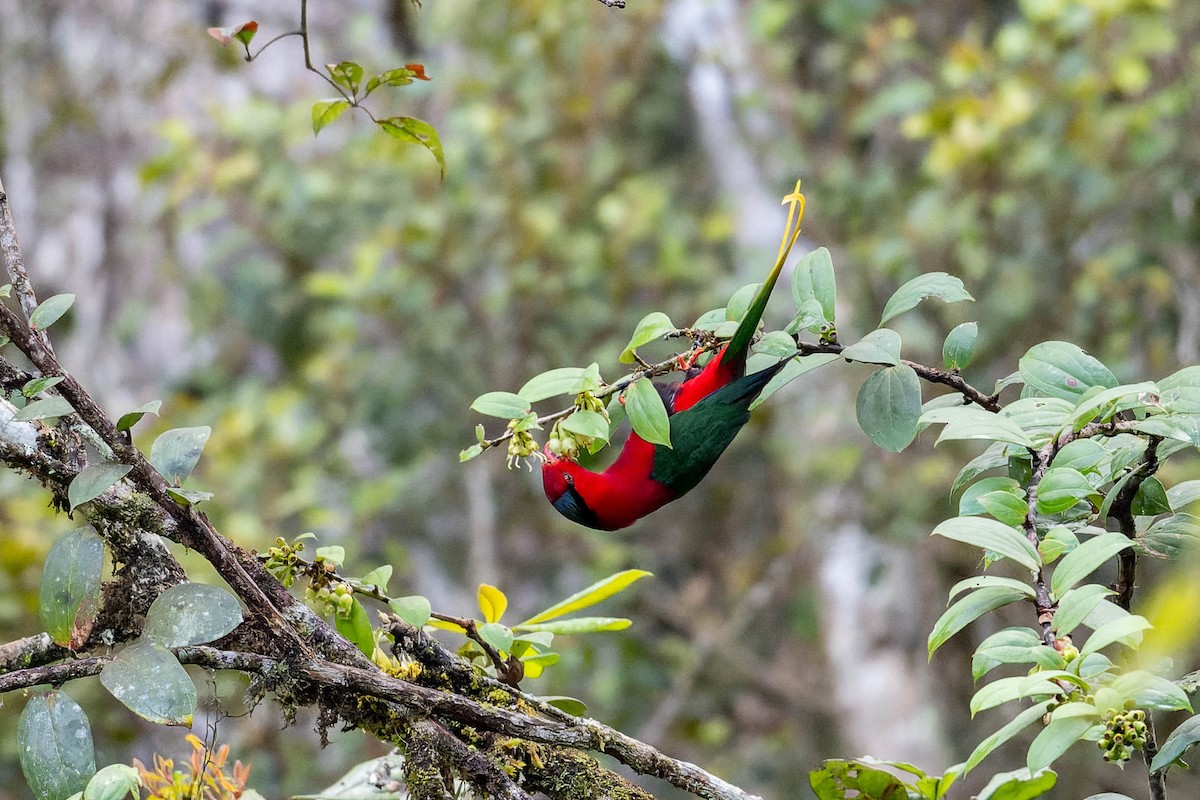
(967,610)
(980,581)
(44,409)
(93,481)
(1062,369)
(151,683)
(356,627)
(492,602)
(69,595)
(54,740)
(1114,631)
(1005,690)
(587,423)
(114,782)
(1183,738)
(597,592)
(413,609)
(944,287)
(647,414)
(552,383)
(1018,724)
(1151,691)
(993,457)
(972,422)
(416,131)
(129,419)
(880,346)
(959,346)
(888,406)
(1085,559)
(813,279)
(50,311)
(325,112)
(1075,605)
(334,553)
(191,613)
(176,452)
(1055,739)
(991,535)
(505,405)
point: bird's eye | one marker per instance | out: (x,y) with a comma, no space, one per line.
(569,478)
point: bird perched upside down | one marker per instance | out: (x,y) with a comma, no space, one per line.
(706,411)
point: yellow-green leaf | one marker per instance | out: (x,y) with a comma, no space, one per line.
(598,591)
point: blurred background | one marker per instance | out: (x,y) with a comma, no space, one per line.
(331,307)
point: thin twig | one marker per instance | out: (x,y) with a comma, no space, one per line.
(10,250)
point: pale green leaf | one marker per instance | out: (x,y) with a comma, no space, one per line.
(150,682)
(44,409)
(993,536)
(175,452)
(813,279)
(577,625)
(505,405)
(888,406)
(1062,369)
(1114,631)
(69,594)
(647,414)
(92,481)
(50,310)
(598,591)
(944,287)
(1076,605)
(1018,724)
(413,609)
(1061,488)
(54,740)
(1183,738)
(969,609)
(114,782)
(356,628)
(881,346)
(191,613)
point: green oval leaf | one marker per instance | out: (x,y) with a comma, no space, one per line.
(1168,537)
(55,743)
(175,452)
(647,414)
(968,504)
(944,287)
(114,782)
(1077,604)
(44,408)
(991,535)
(497,635)
(36,386)
(413,609)
(326,111)
(346,74)
(416,131)
(959,346)
(1055,739)
(813,279)
(93,481)
(587,423)
(69,596)
(597,592)
(972,422)
(1085,559)
(880,346)
(1006,506)
(1128,628)
(1060,489)
(505,405)
(50,311)
(356,627)
(888,406)
(653,326)
(552,383)
(191,613)
(1064,370)
(151,683)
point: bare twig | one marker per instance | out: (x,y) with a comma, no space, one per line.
(10,250)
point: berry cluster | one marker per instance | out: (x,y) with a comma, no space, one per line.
(1124,732)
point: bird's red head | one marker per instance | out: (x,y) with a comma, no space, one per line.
(560,479)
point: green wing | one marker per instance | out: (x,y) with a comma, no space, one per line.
(700,434)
